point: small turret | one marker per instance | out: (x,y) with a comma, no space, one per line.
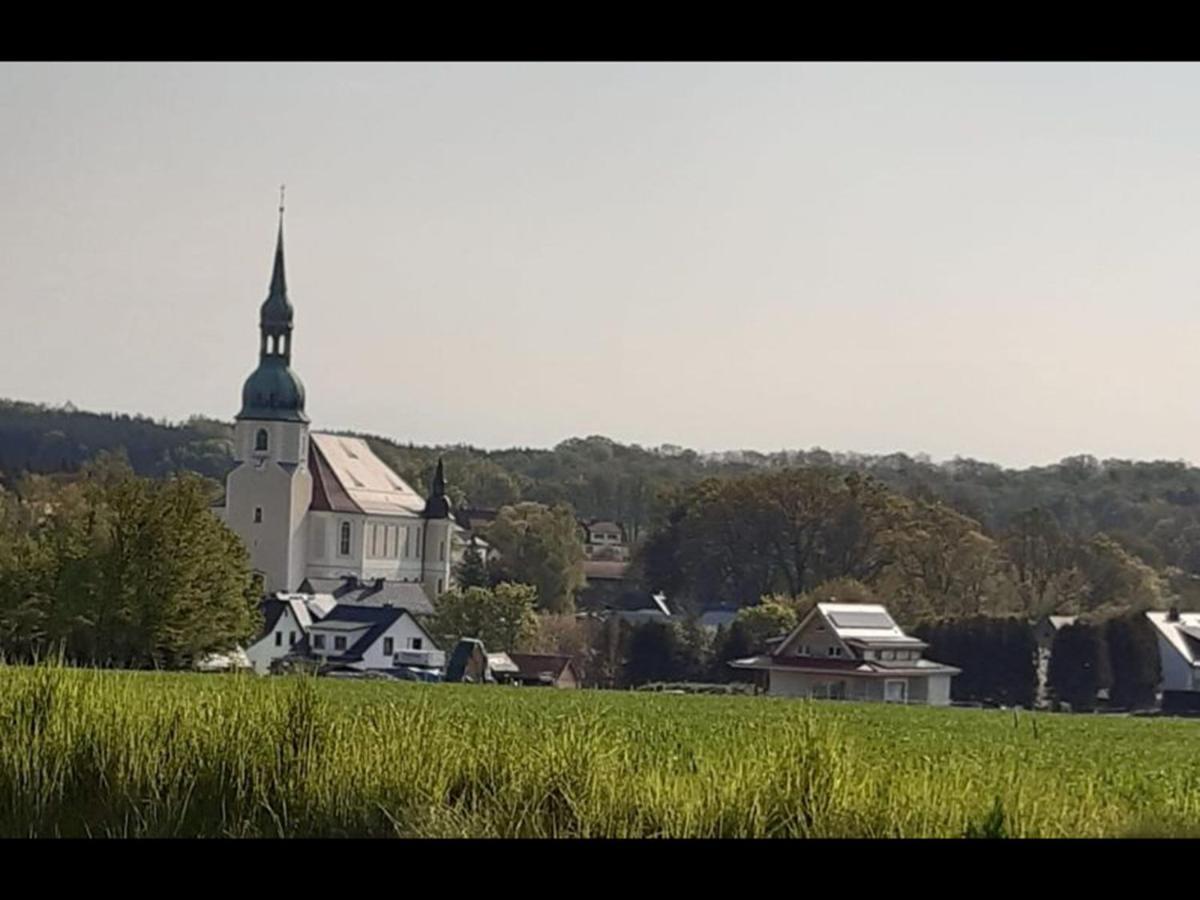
(438,504)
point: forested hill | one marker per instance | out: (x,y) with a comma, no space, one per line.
(1153,508)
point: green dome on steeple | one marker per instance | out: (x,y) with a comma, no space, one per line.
(273,391)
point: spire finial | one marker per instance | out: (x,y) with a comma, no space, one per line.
(282,187)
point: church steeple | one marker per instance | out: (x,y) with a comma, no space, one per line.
(275,317)
(273,390)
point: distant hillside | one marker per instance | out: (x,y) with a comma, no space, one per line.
(43,439)
(1153,508)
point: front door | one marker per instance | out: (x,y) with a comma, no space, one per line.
(895,691)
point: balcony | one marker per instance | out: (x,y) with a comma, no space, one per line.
(428,659)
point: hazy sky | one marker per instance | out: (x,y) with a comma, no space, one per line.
(990,260)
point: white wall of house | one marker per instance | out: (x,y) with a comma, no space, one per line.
(330,637)
(405,634)
(931,689)
(264,651)
(805,684)
(819,639)
(937,689)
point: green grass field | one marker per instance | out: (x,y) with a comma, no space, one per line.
(131,754)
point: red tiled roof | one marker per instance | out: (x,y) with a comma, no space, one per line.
(328,495)
(602,569)
(533,664)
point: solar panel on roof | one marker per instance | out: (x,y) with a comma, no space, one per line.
(861,620)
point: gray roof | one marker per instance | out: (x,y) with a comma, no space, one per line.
(377,620)
(402,594)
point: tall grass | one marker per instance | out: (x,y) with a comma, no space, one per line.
(87,752)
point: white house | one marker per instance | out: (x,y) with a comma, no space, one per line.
(288,617)
(1178,649)
(361,636)
(852,651)
(322,507)
(373,638)
(605,540)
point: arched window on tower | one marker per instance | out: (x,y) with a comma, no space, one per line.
(260,441)
(344,546)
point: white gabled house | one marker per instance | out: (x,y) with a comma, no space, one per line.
(373,638)
(1178,649)
(852,651)
(359,636)
(287,619)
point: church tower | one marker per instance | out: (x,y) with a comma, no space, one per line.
(269,493)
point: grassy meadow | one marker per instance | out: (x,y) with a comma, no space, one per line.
(96,753)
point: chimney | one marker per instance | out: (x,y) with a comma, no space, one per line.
(1173,614)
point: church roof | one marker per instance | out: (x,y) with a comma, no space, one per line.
(348,477)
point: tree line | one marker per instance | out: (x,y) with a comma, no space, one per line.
(110,569)
(730,541)
(1150,510)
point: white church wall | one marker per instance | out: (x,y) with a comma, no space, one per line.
(325,559)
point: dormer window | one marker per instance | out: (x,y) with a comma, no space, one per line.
(260,441)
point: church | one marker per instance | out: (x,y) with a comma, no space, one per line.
(320,513)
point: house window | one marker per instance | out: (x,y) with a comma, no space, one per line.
(291,639)
(868,654)
(389,646)
(344,546)
(414,643)
(442,553)
(339,643)
(805,650)
(439,587)
(279,639)
(257,515)
(260,441)
(318,642)
(887,654)
(835,651)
